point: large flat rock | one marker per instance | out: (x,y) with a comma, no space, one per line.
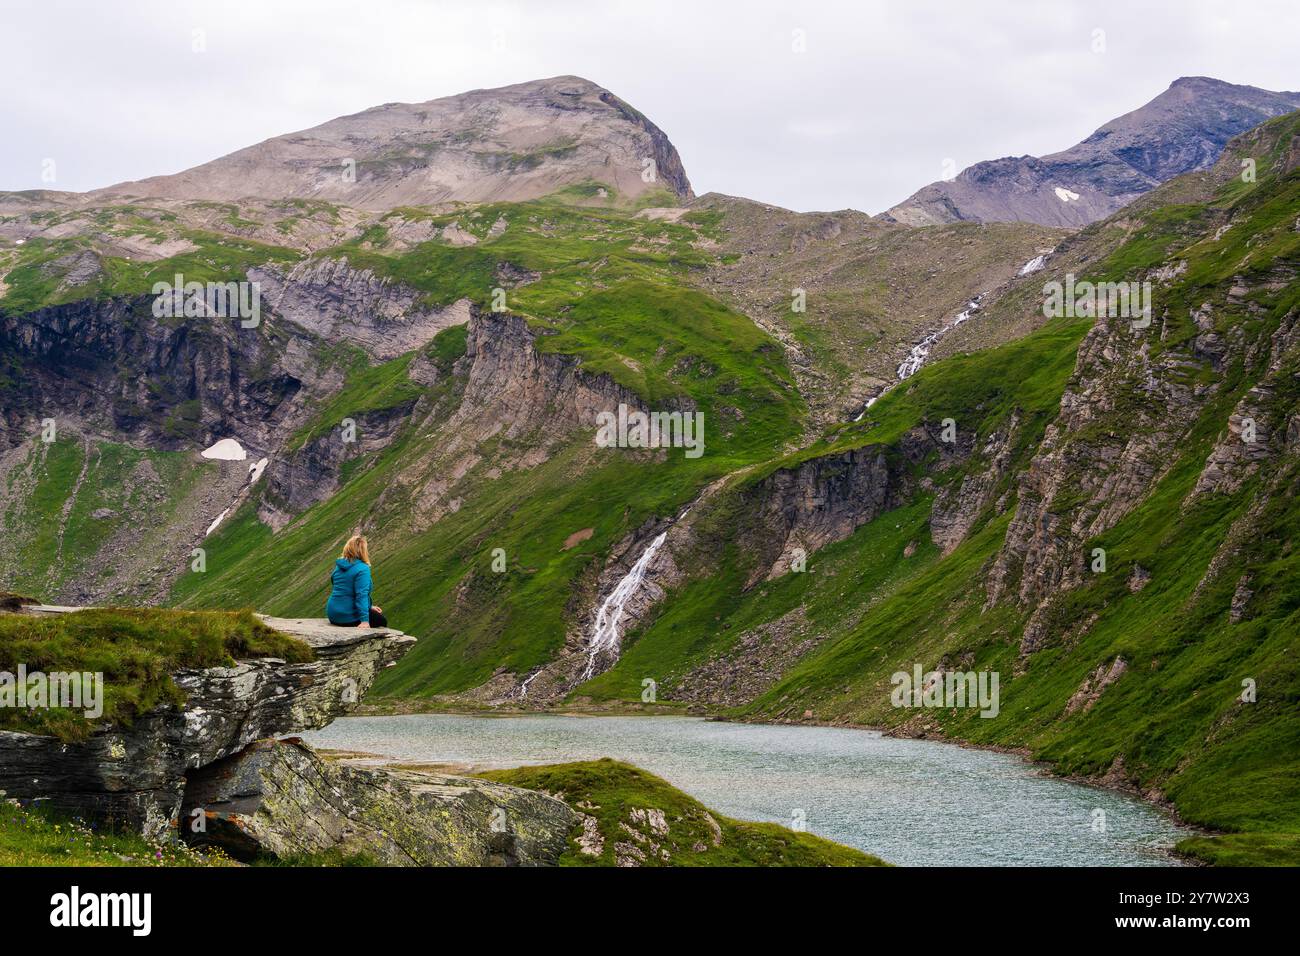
(283,799)
(134,776)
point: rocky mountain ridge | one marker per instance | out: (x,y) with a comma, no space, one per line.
(508,144)
(434,378)
(1180,131)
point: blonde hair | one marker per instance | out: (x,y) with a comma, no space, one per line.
(357,549)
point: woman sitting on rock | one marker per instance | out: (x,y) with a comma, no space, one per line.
(349,604)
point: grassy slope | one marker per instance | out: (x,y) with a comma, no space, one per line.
(595,264)
(871,288)
(32,838)
(980,391)
(72,480)
(610,292)
(135,650)
(611,792)
(1175,718)
(37,271)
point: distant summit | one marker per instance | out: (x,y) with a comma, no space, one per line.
(1181,130)
(508,144)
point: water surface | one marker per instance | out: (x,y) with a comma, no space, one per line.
(912,802)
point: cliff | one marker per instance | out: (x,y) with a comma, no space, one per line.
(135,775)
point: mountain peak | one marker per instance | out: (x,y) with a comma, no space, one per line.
(1183,129)
(1199,81)
(510,143)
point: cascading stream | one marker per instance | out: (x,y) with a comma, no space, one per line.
(920,352)
(605,635)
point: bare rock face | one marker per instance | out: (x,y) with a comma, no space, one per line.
(958,506)
(135,775)
(1248,442)
(310,474)
(330,298)
(825,500)
(1181,130)
(1091,689)
(111,364)
(1106,450)
(281,798)
(509,144)
(512,390)
(1125,415)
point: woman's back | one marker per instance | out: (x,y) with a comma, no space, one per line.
(349,601)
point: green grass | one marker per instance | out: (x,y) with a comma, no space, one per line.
(1244,849)
(36,280)
(37,838)
(383,386)
(983,392)
(572,249)
(73,480)
(615,794)
(369,388)
(620,297)
(136,650)
(632,318)
(1175,718)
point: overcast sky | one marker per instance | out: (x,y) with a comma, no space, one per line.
(880,96)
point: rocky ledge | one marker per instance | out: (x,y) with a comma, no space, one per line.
(280,798)
(136,776)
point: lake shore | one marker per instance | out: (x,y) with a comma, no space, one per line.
(781,767)
(1110,781)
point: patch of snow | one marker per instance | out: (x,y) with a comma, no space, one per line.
(871,401)
(226,450)
(1065,195)
(216,521)
(255,470)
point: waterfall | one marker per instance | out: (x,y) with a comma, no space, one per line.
(605,635)
(1033,265)
(921,350)
(523,688)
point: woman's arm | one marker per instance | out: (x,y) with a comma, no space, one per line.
(361,594)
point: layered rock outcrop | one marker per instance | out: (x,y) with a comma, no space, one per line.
(281,798)
(532,401)
(135,776)
(111,365)
(332,299)
(1123,414)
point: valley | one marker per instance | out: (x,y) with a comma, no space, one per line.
(907,460)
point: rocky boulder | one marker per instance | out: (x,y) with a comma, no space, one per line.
(282,798)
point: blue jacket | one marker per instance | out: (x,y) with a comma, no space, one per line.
(349,601)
